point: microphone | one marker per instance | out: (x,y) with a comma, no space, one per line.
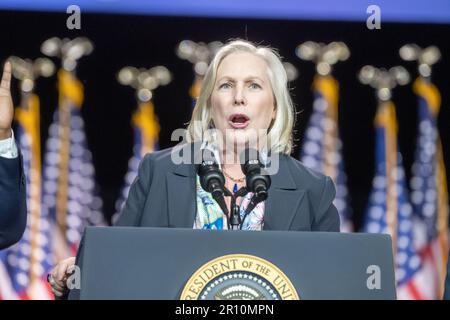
(257,180)
(213,181)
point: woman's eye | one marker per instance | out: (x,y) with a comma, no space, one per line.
(255,86)
(225,85)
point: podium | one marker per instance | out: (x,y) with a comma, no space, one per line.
(163,263)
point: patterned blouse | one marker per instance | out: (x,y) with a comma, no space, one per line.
(210,215)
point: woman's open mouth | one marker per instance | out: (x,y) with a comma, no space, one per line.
(238,121)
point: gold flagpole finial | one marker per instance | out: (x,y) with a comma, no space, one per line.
(383,80)
(68,50)
(27,71)
(200,54)
(425,57)
(323,55)
(144,81)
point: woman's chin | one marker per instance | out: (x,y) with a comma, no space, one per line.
(241,139)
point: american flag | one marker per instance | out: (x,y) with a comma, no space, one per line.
(146,131)
(429,195)
(24,267)
(389,210)
(70,195)
(322,148)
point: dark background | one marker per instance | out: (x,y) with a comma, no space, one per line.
(146,41)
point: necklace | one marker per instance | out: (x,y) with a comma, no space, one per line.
(236,181)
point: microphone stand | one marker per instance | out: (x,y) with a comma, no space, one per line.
(234,220)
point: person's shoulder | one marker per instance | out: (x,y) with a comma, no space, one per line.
(304,177)
(170,157)
(319,186)
(321,192)
(157,159)
(158,155)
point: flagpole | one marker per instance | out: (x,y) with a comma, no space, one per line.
(326,90)
(392,183)
(28,116)
(144,120)
(70,97)
(426,90)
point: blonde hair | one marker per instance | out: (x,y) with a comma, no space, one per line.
(280,133)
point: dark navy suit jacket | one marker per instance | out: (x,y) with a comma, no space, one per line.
(13,210)
(164,195)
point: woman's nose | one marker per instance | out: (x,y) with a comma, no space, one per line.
(239,98)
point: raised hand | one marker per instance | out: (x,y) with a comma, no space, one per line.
(6,104)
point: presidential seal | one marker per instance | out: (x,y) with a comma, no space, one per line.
(239,277)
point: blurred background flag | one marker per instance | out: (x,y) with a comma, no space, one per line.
(144,120)
(322,146)
(388,209)
(70,191)
(429,182)
(24,267)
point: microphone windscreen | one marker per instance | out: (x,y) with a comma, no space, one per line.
(249,156)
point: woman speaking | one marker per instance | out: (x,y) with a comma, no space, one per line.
(244,102)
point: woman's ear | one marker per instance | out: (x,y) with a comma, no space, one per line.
(274,115)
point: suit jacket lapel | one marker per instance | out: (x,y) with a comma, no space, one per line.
(284,199)
(181,188)
(182,203)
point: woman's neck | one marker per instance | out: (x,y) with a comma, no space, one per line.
(234,170)
(231,165)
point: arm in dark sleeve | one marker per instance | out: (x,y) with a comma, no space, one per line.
(327,217)
(13,210)
(134,206)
